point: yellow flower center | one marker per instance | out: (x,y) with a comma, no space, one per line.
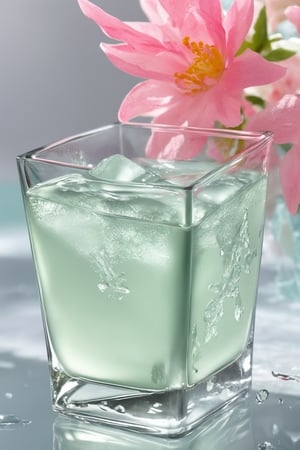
(205,70)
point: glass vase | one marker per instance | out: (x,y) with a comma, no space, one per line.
(282,252)
(147,269)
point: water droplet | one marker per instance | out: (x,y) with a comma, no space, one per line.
(157,405)
(9,420)
(210,385)
(196,349)
(103,405)
(238,312)
(6,365)
(156,408)
(120,409)
(262,396)
(280,401)
(8,395)
(265,446)
(285,377)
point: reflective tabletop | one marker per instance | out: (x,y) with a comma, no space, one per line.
(268,418)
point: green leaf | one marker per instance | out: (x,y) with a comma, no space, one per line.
(243,47)
(255,100)
(260,39)
(286,147)
(279,54)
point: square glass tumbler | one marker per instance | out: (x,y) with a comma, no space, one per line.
(147,265)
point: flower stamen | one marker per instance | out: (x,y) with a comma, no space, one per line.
(205,70)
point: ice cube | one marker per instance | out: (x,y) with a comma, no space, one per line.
(220,191)
(178,173)
(118,168)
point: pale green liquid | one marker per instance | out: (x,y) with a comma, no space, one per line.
(132,297)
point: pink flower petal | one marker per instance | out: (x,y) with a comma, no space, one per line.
(178,10)
(148,28)
(237,23)
(290,179)
(164,146)
(292,13)
(159,65)
(211,12)
(174,146)
(146,98)
(177,147)
(224,106)
(154,11)
(282,118)
(115,28)
(251,69)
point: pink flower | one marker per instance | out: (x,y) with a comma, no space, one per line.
(290,180)
(275,10)
(293,15)
(281,118)
(288,84)
(187,53)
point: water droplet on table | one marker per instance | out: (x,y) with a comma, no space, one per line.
(8,395)
(262,396)
(265,446)
(10,421)
(6,365)
(285,377)
(120,409)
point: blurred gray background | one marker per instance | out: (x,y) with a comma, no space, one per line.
(55,80)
